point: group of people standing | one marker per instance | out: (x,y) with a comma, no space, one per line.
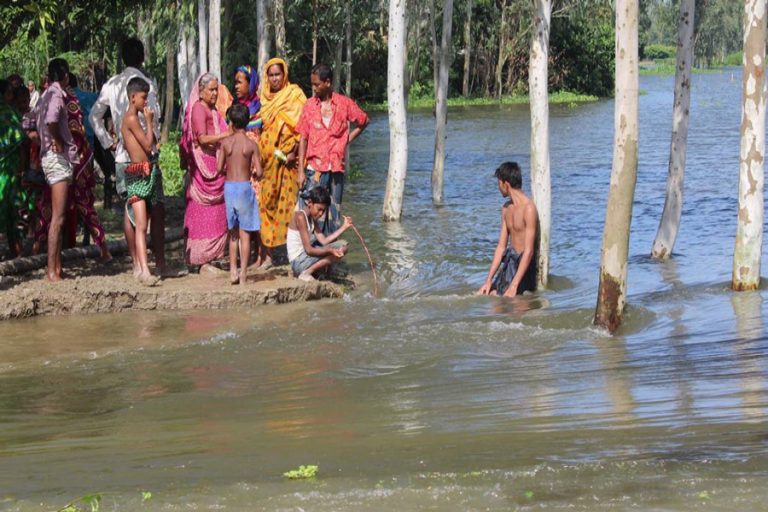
(301,145)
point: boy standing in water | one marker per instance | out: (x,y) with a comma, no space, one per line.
(308,249)
(240,155)
(141,174)
(513,270)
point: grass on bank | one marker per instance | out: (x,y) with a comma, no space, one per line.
(667,65)
(423,102)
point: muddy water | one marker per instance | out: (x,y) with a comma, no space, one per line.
(429,398)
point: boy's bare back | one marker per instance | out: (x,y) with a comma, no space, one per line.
(241,156)
(517,218)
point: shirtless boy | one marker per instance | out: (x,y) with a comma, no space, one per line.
(239,155)
(142,173)
(513,270)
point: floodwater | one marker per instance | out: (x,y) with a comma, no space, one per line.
(430,398)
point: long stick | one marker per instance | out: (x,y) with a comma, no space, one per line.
(370,262)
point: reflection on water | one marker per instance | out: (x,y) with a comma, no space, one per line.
(431,397)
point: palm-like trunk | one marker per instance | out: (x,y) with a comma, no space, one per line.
(214,37)
(538,78)
(611,294)
(441,107)
(467,48)
(398,131)
(202,34)
(749,231)
(279,20)
(168,114)
(673,206)
(262,28)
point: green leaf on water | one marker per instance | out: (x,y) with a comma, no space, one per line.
(145,495)
(308,471)
(703,495)
(529,494)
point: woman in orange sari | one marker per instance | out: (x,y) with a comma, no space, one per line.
(281,105)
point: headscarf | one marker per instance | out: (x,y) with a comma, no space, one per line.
(252,101)
(288,102)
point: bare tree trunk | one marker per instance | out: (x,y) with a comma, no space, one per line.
(467,47)
(502,47)
(398,130)
(611,294)
(262,29)
(214,37)
(441,107)
(673,206)
(314,32)
(202,34)
(183,68)
(416,62)
(538,81)
(143,32)
(279,28)
(749,231)
(348,43)
(338,60)
(435,47)
(168,115)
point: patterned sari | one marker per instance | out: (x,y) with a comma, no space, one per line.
(11,138)
(205,219)
(280,112)
(81,198)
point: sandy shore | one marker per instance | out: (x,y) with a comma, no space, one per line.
(94,288)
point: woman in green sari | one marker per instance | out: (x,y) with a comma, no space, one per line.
(11,163)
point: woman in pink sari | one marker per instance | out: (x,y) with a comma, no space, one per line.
(205,220)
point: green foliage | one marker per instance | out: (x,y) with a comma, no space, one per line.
(734,59)
(173,174)
(659,52)
(301,473)
(92,502)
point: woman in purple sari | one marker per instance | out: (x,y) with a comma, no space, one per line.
(205,220)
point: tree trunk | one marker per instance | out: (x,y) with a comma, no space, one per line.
(168,115)
(314,32)
(202,34)
(502,47)
(414,63)
(611,294)
(749,231)
(279,21)
(398,130)
(538,78)
(262,29)
(214,37)
(338,61)
(348,43)
(143,31)
(435,47)
(183,69)
(673,206)
(467,48)
(441,106)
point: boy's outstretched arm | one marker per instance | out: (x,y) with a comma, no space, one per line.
(497,254)
(318,252)
(531,219)
(325,240)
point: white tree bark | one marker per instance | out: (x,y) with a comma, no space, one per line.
(202,34)
(538,81)
(398,131)
(214,37)
(467,48)
(673,206)
(279,20)
(441,107)
(348,42)
(749,231)
(618,216)
(186,63)
(502,59)
(435,47)
(262,29)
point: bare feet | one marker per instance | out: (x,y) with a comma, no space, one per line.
(52,277)
(234,278)
(243,278)
(147,279)
(306,276)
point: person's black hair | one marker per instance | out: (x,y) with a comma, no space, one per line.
(132,52)
(320,195)
(72,81)
(510,172)
(16,79)
(136,85)
(58,69)
(239,115)
(20,92)
(323,72)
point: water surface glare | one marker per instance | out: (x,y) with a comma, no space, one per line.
(430,398)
